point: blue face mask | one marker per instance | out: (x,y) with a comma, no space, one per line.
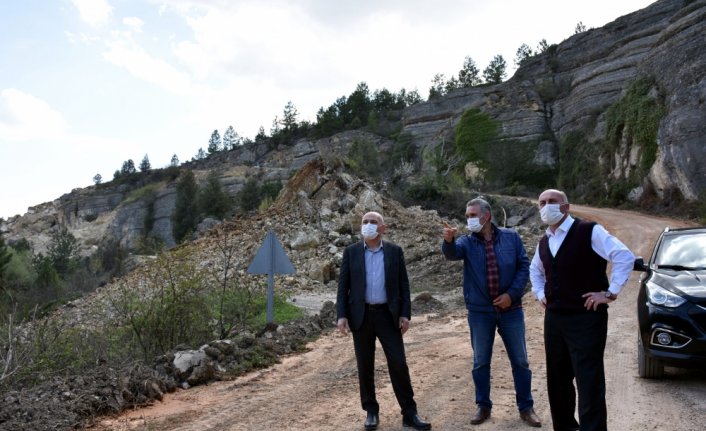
(369,231)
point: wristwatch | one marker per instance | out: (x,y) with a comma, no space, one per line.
(610,295)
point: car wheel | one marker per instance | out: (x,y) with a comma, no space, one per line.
(647,367)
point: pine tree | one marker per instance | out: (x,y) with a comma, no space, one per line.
(289,117)
(438,86)
(495,72)
(185,214)
(128,167)
(214,144)
(542,46)
(230,139)
(580,27)
(145,164)
(451,85)
(174,162)
(357,106)
(200,154)
(523,53)
(469,75)
(275,129)
(63,252)
(213,200)
(261,135)
(249,196)
(412,98)
(97,178)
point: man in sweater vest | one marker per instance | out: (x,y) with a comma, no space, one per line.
(568,275)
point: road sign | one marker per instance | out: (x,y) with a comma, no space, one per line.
(271,259)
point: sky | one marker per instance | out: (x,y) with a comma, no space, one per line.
(88,84)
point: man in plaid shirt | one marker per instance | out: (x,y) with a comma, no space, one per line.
(495,272)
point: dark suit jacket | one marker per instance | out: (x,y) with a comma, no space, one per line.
(350,301)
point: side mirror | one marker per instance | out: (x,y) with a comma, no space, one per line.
(639,265)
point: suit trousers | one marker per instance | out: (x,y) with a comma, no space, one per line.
(574,344)
(379,323)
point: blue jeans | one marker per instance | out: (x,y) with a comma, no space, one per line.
(511,327)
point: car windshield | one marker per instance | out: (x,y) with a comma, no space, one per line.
(682,251)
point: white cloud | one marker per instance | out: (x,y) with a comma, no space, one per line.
(250,38)
(94,12)
(84,38)
(24,117)
(134,23)
(127,54)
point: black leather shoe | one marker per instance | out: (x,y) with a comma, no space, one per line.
(481,415)
(372,421)
(414,421)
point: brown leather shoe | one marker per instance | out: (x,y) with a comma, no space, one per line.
(531,417)
(481,415)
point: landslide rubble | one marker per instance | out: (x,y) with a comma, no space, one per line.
(315,217)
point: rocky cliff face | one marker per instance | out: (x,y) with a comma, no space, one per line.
(570,87)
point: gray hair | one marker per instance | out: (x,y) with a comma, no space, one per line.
(482,204)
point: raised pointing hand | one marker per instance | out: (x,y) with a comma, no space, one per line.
(449,232)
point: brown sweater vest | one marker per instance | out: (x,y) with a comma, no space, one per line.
(576,269)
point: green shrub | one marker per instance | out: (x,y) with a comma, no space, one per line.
(146,192)
(251,196)
(271,189)
(165,306)
(283,311)
(426,190)
(635,118)
(475,133)
(47,348)
(579,171)
(363,158)
(403,149)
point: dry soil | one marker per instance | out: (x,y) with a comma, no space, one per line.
(318,390)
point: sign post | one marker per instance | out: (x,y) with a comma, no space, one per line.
(271,259)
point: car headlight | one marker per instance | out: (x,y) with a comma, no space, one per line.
(661,296)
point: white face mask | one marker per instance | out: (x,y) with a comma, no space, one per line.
(550,214)
(369,231)
(474,224)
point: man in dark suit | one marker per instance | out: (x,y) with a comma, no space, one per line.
(373,301)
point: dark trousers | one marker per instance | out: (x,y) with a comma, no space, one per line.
(574,346)
(378,323)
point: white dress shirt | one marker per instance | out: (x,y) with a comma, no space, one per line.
(606,245)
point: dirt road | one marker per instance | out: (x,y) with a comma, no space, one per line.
(318,390)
